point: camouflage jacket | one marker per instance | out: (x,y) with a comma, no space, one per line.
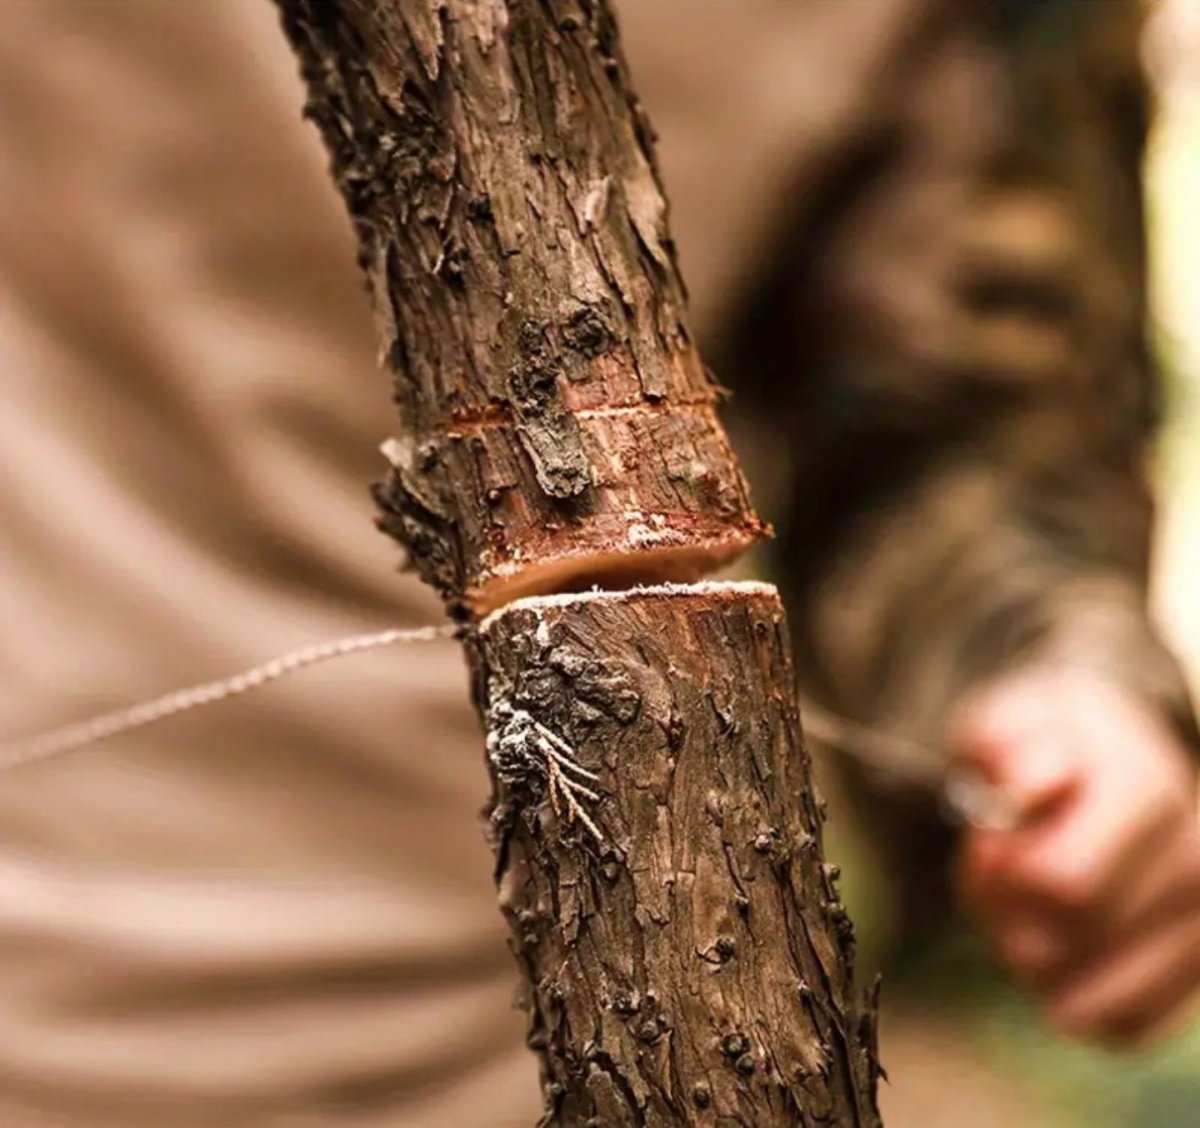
(951,353)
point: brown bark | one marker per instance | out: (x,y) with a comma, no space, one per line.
(688,955)
(511,224)
(658,845)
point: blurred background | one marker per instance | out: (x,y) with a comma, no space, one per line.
(951,1023)
(252,535)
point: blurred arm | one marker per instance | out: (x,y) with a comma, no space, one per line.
(956,347)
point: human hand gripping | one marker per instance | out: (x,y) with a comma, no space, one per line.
(1091,899)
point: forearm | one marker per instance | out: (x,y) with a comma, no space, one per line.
(963,581)
(972,395)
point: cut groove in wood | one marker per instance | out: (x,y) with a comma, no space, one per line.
(641,564)
(658,844)
(482,532)
(501,179)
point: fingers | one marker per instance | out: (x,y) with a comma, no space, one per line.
(1091,859)
(1121,975)
(1135,991)
(1092,900)
(1045,949)
(1038,779)
(1009,739)
(1167,888)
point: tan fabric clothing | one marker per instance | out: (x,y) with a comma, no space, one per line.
(279,911)
(276,911)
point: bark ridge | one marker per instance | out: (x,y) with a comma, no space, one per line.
(688,955)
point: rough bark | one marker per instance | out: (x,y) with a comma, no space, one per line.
(660,865)
(659,853)
(555,412)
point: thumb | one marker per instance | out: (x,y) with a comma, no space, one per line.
(1037,778)
(1008,742)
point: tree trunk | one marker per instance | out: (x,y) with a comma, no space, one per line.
(687,962)
(557,418)
(659,860)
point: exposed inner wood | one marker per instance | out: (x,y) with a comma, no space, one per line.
(660,865)
(611,572)
(501,178)
(658,842)
(655,510)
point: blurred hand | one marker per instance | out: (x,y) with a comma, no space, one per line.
(1092,900)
